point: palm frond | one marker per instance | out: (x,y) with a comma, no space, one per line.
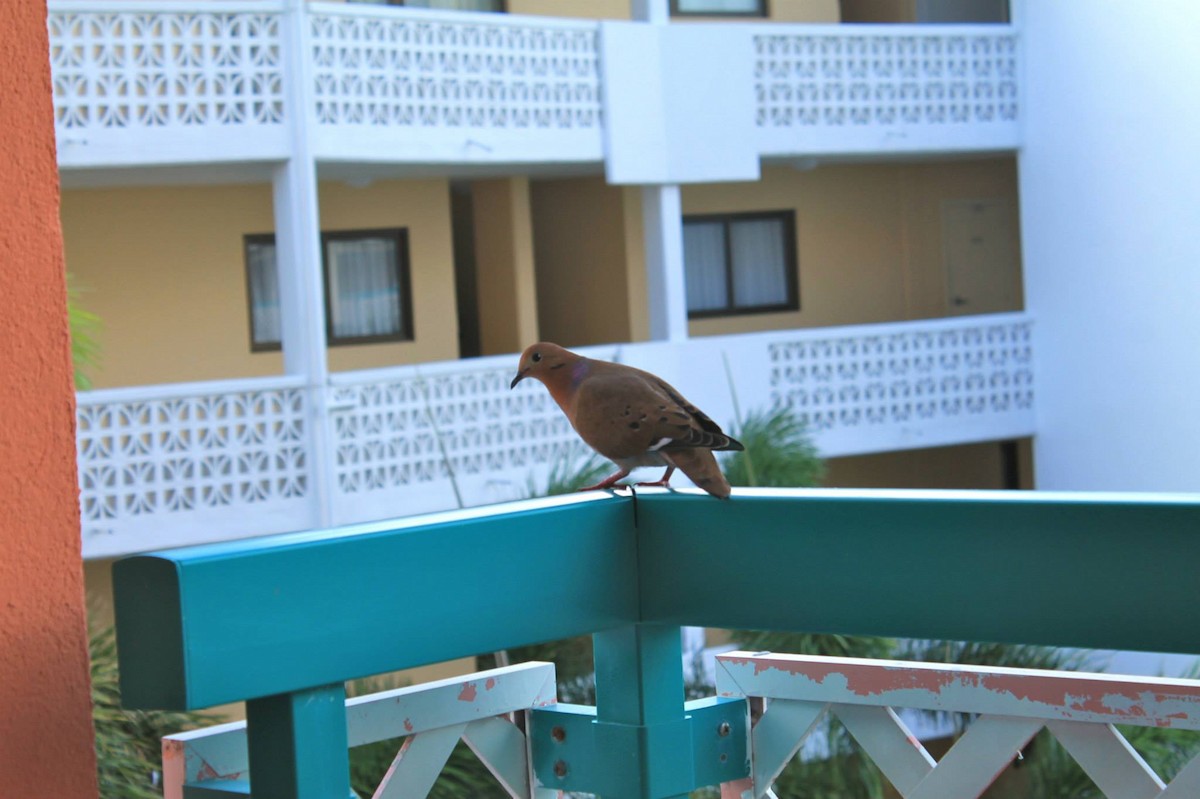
(778,452)
(84,326)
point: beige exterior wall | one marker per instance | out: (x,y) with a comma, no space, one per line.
(779,10)
(587,9)
(504,271)
(581,246)
(804,10)
(635,264)
(970,466)
(164,269)
(422,206)
(813,11)
(879,10)
(868,236)
(869,245)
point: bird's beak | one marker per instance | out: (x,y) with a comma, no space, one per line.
(520,376)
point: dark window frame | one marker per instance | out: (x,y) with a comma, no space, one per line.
(403,284)
(790,256)
(249,240)
(763,12)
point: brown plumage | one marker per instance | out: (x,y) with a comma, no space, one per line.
(631,417)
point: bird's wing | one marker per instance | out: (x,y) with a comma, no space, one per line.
(701,430)
(622,412)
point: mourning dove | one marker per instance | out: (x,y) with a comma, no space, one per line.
(631,417)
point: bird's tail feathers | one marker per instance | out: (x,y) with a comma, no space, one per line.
(701,468)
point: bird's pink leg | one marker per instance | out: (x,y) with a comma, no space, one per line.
(607,482)
(664,482)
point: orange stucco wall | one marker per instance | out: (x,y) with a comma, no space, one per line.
(46,746)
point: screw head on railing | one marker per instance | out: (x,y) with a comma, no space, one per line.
(723,729)
(558,734)
(560,769)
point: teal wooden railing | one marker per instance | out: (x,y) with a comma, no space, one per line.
(281,622)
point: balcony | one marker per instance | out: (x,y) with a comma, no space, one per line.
(179,83)
(166,466)
(282,622)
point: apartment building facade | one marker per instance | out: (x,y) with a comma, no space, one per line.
(315,233)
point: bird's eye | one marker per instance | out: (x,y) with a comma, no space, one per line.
(537,356)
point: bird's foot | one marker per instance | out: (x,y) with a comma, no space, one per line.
(664,481)
(607,482)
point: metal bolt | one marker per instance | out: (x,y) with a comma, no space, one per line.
(558,734)
(560,769)
(724,729)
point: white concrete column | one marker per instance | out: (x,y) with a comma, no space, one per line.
(299,258)
(657,12)
(662,219)
(666,293)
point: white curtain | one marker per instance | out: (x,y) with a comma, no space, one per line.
(363,289)
(264,293)
(704,265)
(718,6)
(759,262)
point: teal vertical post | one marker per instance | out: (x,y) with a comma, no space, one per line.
(641,728)
(298,746)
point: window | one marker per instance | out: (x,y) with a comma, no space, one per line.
(262,287)
(367,294)
(719,8)
(740,263)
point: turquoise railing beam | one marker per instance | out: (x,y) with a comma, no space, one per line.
(1086,570)
(298,744)
(221,623)
(282,621)
(572,750)
(639,710)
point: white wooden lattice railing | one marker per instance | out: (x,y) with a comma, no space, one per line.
(162,81)
(205,454)
(145,82)
(1013,705)
(458,86)
(869,88)
(1010,706)
(432,717)
(176,81)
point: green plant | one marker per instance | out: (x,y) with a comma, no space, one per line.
(85,348)
(128,742)
(844,773)
(842,646)
(1166,751)
(1054,774)
(778,452)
